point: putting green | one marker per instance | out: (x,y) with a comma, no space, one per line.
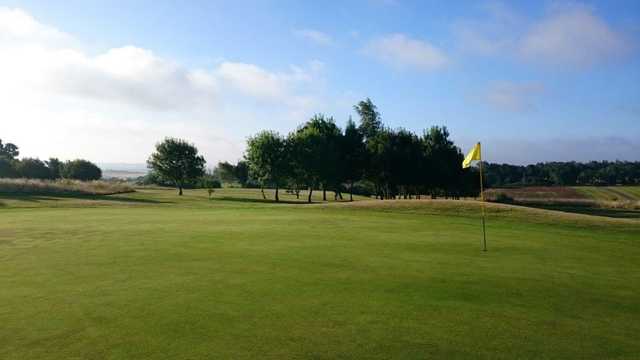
(152,275)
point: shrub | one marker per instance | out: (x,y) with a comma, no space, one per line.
(504,198)
(81,170)
(364,188)
(209,182)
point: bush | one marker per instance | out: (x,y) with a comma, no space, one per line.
(504,198)
(209,182)
(81,170)
(62,187)
(363,187)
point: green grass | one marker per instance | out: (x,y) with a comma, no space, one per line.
(151,275)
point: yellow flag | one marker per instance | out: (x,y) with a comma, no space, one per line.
(474,154)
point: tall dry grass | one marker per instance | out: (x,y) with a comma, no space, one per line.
(62,187)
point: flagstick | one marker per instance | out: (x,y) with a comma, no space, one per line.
(484,233)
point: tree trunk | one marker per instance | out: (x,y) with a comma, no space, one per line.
(277,198)
(264,197)
(351,191)
(310,192)
(180,190)
(324,193)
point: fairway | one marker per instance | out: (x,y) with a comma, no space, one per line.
(152,275)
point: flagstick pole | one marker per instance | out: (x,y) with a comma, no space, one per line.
(484,233)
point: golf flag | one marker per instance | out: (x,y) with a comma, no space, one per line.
(474,154)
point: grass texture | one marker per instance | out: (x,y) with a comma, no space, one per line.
(155,276)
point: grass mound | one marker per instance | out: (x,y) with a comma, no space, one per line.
(62,187)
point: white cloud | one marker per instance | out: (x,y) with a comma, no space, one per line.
(255,81)
(510,96)
(572,36)
(60,100)
(400,51)
(17,25)
(315,36)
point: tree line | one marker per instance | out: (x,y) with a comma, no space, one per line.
(390,163)
(33,168)
(367,158)
(564,174)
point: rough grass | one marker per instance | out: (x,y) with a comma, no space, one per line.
(155,276)
(575,199)
(62,187)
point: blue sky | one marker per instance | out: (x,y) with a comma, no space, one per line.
(534,81)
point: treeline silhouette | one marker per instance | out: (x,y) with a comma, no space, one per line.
(367,158)
(33,168)
(564,174)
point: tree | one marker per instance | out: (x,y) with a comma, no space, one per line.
(370,123)
(32,169)
(177,161)
(316,150)
(442,157)
(55,168)
(267,158)
(81,170)
(7,169)
(226,172)
(8,150)
(354,155)
(241,172)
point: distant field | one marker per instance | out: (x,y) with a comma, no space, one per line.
(610,193)
(605,193)
(615,201)
(150,275)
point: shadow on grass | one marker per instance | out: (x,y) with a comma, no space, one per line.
(257,200)
(612,213)
(35,198)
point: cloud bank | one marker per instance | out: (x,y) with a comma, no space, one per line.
(125,99)
(566,36)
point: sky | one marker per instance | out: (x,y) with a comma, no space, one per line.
(106,80)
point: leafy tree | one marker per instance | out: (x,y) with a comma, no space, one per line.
(354,154)
(226,172)
(370,123)
(442,156)
(8,150)
(7,169)
(32,169)
(81,170)
(241,172)
(55,168)
(267,158)
(316,150)
(177,161)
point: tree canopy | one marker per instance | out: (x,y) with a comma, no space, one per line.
(391,163)
(267,157)
(177,161)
